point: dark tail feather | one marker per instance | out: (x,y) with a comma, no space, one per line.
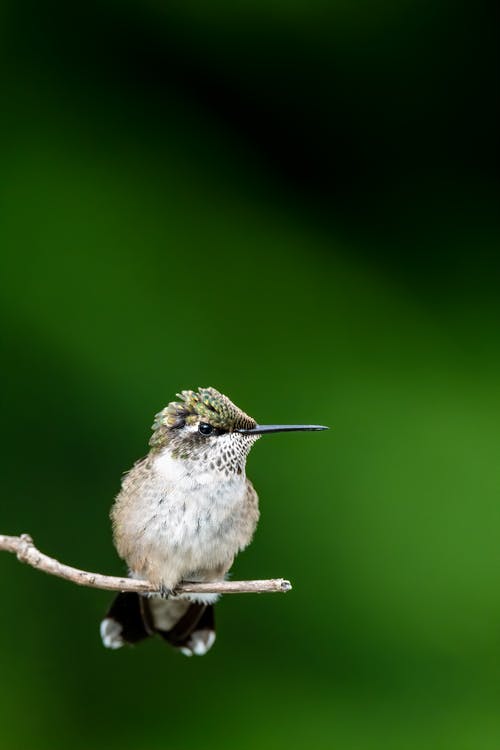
(194,633)
(127,621)
(132,618)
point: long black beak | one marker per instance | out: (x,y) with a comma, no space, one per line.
(262,429)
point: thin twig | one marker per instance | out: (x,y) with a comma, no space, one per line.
(26,552)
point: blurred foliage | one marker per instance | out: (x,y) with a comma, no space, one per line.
(297,205)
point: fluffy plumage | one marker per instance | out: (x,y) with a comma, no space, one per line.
(183,513)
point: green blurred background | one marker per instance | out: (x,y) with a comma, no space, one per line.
(297,204)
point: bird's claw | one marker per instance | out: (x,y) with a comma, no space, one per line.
(165,592)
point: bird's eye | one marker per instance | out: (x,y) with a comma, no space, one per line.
(205,428)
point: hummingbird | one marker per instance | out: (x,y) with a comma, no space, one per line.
(182,514)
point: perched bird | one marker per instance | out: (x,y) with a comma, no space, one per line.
(183,513)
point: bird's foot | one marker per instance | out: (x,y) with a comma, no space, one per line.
(165,591)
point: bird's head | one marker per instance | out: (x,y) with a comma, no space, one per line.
(206,425)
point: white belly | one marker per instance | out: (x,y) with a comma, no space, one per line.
(188,523)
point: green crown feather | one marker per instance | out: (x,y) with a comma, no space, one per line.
(206,405)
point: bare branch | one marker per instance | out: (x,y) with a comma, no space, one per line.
(26,552)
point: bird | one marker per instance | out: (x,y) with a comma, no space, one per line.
(182,514)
